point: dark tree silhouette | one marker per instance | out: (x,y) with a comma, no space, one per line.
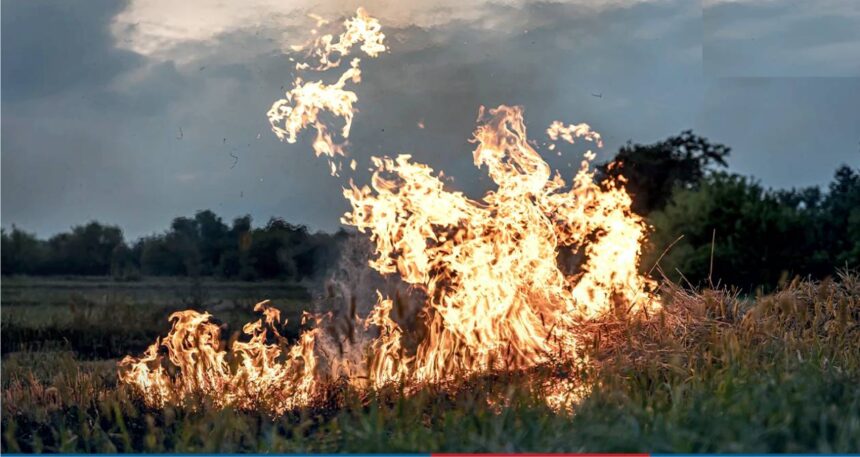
(758,237)
(652,171)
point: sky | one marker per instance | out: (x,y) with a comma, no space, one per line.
(133,113)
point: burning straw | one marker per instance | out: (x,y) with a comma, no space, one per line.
(493,297)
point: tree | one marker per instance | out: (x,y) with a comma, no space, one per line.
(234,260)
(158,257)
(841,218)
(212,240)
(22,252)
(653,171)
(123,263)
(757,239)
(273,248)
(319,251)
(193,246)
(86,250)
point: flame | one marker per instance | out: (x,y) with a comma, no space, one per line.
(498,299)
(302,106)
(252,374)
(498,295)
(563,395)
(558,130)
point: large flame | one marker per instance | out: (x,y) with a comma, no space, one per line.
(497,296)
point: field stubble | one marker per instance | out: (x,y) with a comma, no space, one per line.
(711,372)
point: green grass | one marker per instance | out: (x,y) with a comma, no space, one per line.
(100,318)
(712,372)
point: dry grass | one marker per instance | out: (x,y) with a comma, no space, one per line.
(712,372)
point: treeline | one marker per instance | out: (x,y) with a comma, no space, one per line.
(737,233)
(709,226)
(202,245)
(713,227)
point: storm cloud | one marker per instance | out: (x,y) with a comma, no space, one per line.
(135,113)
(791,38)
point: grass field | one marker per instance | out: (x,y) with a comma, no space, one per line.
(712,372)
(97,318)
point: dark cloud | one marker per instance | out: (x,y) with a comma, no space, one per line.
(782,38)
(641,75)
(52,47)
(140,140)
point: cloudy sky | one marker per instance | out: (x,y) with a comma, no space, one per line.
(132,112)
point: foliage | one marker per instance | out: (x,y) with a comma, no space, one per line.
(735,232)
(653,171)
(202,245)
(86,250)
(840,213)
(21,252)
(712,372)
(760,236)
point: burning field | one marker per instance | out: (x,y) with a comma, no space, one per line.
(520,320)
(484,277)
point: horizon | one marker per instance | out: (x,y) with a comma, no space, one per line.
(153,111)
(261,222)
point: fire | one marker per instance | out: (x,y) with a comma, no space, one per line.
(307,100)
(498,295)
(252,374)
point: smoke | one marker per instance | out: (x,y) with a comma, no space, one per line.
(348,294)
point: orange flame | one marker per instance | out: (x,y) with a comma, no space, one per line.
(302,105)
(252,374)
(498,296)
(498,299)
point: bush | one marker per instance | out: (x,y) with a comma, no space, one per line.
(756,237)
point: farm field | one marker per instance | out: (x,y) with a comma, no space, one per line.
(100,318)
(529,228)
(711,372)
